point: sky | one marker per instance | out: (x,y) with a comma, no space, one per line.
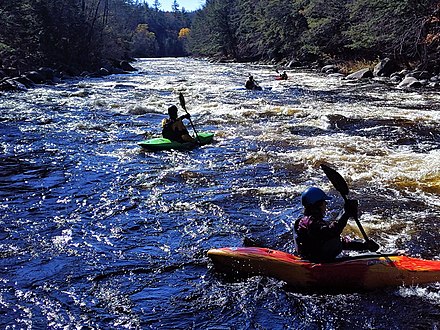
(189,5)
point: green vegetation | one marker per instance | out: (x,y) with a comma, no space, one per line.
(74,35)
(307,30)
(77,35)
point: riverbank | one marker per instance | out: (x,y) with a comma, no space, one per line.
(385,71)
(12,79)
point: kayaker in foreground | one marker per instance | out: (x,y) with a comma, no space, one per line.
(251,84)
(283,76)
(319,240)
(173,127)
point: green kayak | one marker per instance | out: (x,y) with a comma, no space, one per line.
(166,144)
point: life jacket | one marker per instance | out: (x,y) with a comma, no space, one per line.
(316,239)
(173,129)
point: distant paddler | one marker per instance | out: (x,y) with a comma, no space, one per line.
(252,84)
(283,76)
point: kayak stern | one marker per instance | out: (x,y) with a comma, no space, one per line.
(365,272)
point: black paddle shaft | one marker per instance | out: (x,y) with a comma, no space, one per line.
(342,187)
(183,105)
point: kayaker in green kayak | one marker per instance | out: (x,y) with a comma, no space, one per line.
(319,240)
(173,127)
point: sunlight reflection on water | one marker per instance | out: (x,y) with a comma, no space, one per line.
(96,232)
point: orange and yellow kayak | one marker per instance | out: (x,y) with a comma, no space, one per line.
(364,272)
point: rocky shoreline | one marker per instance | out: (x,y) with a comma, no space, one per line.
(11,79)
(387,71)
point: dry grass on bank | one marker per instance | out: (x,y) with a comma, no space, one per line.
(353,66)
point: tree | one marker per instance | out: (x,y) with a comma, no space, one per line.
(184,33)
(19,35)
(175,6)
(393,28)
(156,5)
(214,33)
(144,42)
(327,20)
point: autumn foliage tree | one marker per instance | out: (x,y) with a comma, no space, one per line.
(144,42)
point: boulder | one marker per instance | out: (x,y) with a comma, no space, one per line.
(396,78)
(47,73)
(385,68)
(421,75)
(328,69)
(410,82)
(24,80)
(103,72)
(11,85)
(114,70)
(35,77)
(124,65)
(336,75)
(361,74)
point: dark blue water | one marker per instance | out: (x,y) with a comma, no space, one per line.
(97,233)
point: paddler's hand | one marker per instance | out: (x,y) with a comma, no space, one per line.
(187,116)
(372,246)
(351,208)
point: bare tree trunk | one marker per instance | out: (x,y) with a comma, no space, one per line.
(94,19)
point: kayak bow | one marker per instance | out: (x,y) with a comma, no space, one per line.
(364,272)
(157,144)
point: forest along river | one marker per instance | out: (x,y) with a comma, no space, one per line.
(95,232)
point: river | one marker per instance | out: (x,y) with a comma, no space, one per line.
(96,233)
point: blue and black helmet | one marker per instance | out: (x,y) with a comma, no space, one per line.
(313,195)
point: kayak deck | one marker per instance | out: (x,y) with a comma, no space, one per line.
(157,144)
(364,272)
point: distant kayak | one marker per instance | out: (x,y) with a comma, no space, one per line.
(364,272)
(157,144)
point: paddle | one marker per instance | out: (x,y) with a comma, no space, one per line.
(183,105)
(341,186)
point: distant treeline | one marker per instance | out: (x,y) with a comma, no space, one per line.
(308,30)
(85,34)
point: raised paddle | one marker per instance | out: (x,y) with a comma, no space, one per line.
(183,105)
(341,185)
